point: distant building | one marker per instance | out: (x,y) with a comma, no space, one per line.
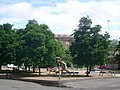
(65,39)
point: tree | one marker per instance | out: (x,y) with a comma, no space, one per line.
(7,44)
(33,46)
(37,46)
(7,26)
(113,52)
(89,47)
(20,48)
(118,54)
(54,47)
(113,47)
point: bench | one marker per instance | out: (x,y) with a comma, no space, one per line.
(103,72)
(70,73)
(112,72)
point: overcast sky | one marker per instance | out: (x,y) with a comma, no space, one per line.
(62,16)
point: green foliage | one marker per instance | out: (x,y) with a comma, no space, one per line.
(67,58)
(37,46)
(113,49)
(7,27)
(118,53)
(7,44)
(89,47)
(33,46)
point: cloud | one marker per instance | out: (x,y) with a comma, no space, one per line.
(114,34)
(17,13)
(63,17)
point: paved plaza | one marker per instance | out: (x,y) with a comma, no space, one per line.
(80,84)
(21,85)
(96,82)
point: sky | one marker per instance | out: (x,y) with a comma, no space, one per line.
(62,16)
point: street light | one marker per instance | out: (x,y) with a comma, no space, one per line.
(108,25)
(85,14)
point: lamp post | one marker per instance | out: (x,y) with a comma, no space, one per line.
(108,25)
(85,14)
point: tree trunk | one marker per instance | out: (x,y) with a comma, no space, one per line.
(39,71)
(33,69)
(28,68)
(18,67)
(87,72)
(90,67)
(0,67)
(25,68)
(118,66)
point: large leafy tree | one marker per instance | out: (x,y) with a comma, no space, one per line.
(54,48)
(37,46)
(89,47)
(32,46)
(7,44)
(20,49)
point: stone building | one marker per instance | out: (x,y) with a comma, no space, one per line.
(65,39)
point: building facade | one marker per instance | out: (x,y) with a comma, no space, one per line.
(65,39)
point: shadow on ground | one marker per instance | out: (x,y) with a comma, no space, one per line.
(18,75)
